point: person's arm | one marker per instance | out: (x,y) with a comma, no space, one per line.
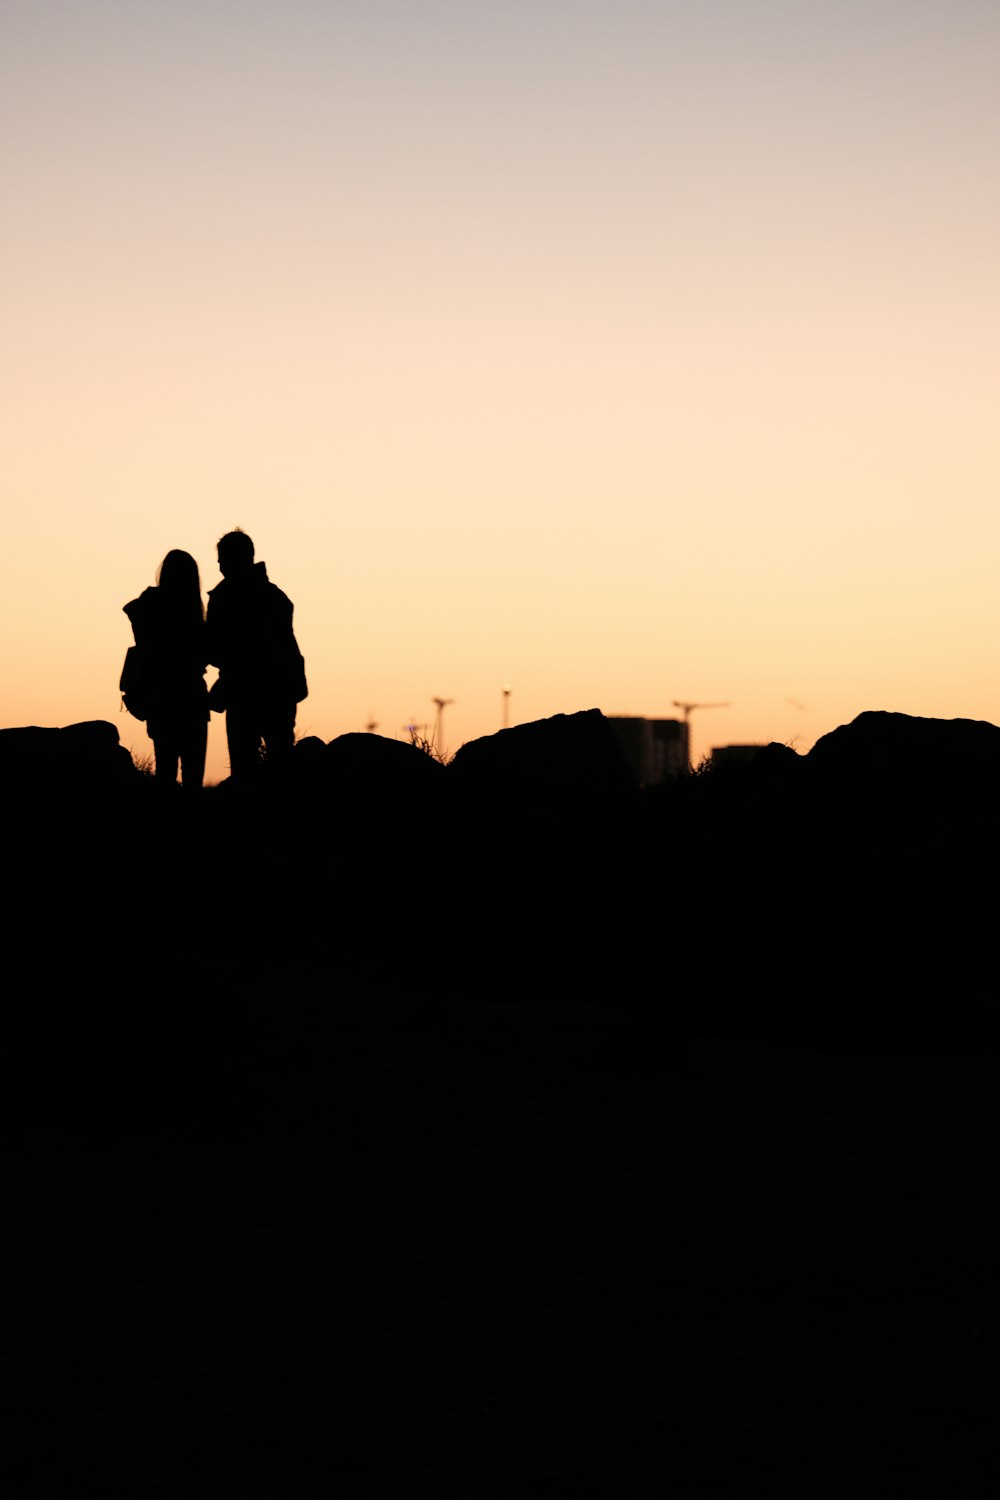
(292,663)
(212,634)
(201,646)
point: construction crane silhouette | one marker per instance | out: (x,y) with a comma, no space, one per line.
(688,709)
(441,704)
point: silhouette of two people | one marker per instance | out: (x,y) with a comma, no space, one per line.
(168,623)
(261,671)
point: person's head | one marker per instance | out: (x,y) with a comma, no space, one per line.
(235,553)
(178,577)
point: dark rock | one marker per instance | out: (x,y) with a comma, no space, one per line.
(757,895)
(371,764)
(309,760)
(890,748)
(776,760)
(569,759)
(87,755)
(551,887)
(382,789)
(310,749)
(751,770)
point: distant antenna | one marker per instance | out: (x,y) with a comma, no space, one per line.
(371,726)
(506,705)
(442,704)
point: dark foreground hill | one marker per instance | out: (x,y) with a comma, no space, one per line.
(505,1128)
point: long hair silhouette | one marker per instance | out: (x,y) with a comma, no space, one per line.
(171,645)
(180,581)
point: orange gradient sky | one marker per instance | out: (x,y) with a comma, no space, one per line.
(621,353)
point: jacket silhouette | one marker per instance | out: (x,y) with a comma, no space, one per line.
(251,640)
(168,623)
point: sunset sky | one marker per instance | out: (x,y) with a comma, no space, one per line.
(620,352)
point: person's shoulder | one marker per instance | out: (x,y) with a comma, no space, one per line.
(276,595)
(280,600)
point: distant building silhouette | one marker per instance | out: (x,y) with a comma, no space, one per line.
(654,748)
(726,757)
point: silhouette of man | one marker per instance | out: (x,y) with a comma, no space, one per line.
(261,671)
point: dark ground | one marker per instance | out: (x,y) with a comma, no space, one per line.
(296,1207)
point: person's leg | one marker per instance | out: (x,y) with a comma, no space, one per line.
(166,754)
(193,755)
(278,729)
(243,738)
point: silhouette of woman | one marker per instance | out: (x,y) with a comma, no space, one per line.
(168,622)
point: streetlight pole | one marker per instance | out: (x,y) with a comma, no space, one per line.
(442,704)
